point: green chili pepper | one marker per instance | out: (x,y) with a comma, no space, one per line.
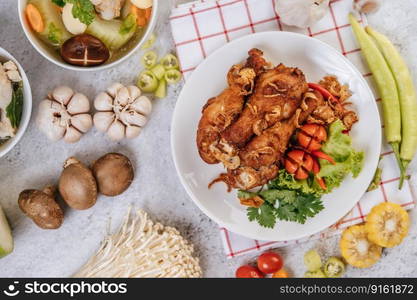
(147,81)
(408,98)
(334,267)
(149,59)
(386,86)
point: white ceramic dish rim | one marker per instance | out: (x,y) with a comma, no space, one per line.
(173,140)
(27,108)
(35,44)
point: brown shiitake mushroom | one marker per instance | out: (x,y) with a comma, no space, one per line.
(41,207)
(114,174)
(77,185)
(84,50)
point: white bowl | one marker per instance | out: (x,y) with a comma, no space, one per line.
(54,57)
(27,105)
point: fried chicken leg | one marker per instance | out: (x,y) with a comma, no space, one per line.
(278,93)
(219,112)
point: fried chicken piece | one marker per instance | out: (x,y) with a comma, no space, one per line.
(278,93)
(329,112)
(219,112)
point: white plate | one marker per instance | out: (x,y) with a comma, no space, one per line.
(316,59)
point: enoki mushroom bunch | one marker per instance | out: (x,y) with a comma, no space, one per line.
(143,249)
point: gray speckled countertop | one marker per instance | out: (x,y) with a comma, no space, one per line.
(35,162)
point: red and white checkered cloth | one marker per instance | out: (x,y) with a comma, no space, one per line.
(201,27)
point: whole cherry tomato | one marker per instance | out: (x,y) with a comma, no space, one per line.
(299,163)
(247,271)
(270,262)
(281,274)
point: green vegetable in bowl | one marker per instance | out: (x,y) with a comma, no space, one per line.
(83,10)
(128,25)
(15,108)
(109,32)
(334,267)
(6,238)
(54,32)
(312,260)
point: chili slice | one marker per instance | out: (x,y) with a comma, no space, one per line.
(172,76)
(169,62)
(149,59)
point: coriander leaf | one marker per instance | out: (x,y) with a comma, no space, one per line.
(60,3)
(264,215)
(283,196)
(128,24)
(15,108)
(83,10)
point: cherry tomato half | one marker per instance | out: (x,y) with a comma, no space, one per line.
(299,163)
(281,274)
(311,136)
(247,271)
(270,262)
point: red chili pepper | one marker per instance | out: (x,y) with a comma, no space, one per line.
(325,93)
(321,183)
(323,155)
(316,167)
(316,170)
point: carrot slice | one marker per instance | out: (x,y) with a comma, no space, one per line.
(148,13)
(34,18)
(140,15)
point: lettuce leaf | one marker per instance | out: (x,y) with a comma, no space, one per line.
(339,147)
(286,181)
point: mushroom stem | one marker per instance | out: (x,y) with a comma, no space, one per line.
(49,190)
(70,161)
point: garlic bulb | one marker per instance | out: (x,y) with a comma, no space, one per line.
(301,13)
(64,114)
(122,111)
(366,6)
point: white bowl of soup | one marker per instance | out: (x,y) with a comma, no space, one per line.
(94,38)
(15,102)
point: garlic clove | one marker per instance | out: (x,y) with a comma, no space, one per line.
(116,131)
(131,117)
(122,97)
(102,120)
(112,90)
(62,94)
(72,135)
(78,104)
(82,122)
(103,102)
(132,131)
(134,92)
(48,122)
(142,105)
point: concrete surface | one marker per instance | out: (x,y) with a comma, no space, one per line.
(35,162)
